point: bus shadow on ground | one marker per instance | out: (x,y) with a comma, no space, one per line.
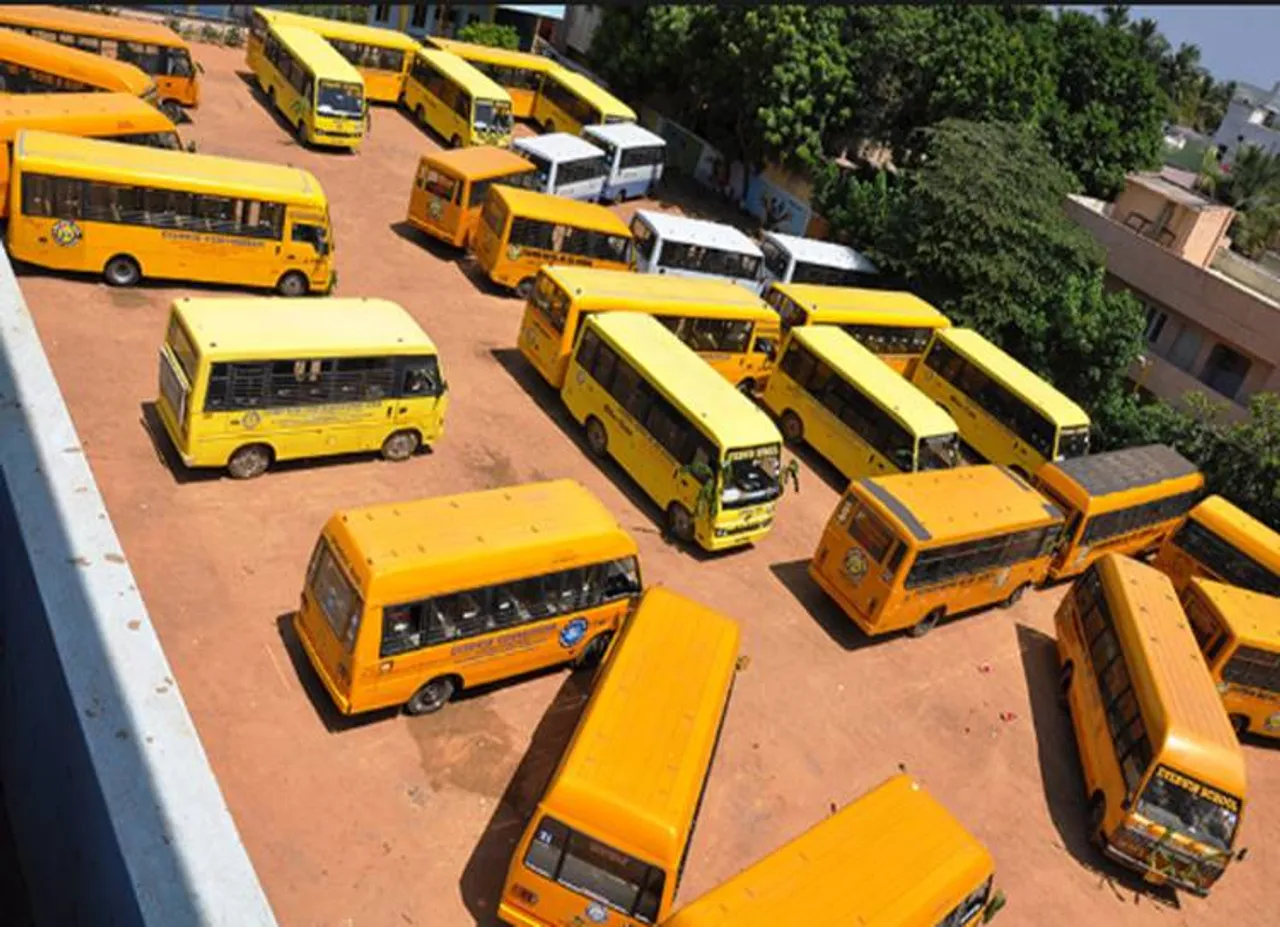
(486,869)
(819,466)
(546,398)
(794,576)
(1063,782)
(433,246)
(265,102)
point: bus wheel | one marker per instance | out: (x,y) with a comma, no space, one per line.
(1240,723)
(792,427)
(300,134)
(122,270)
(293,283)
(271,95)
(1064,684)
(747,388)
(172,110)
(524,289)
(1015,596)
(597,438)
(549,126)
(401,445)
(421,115)
(927,623)
(455,142)
(592,654)
(1097,817)
(249,461)
(680,522)
(431,697)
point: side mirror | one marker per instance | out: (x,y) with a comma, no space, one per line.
(191,146)
(199,67)
(1244,851)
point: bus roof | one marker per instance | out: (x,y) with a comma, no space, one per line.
(1061,410)
(597,288)
(1125,469)
(316,53)
(550,208)
(74,63)
(195,172)
(638,759)
(343,31)
(465,75)
(593,93)
(92,113)
(558,146)
(1237,526)
(702,232)
(1253,617)
(827,253)
(550,521)
(940,506)
(893,305)
(478,162)
(69,19)
(625,135)
(685,378)
(1180,702)
(923,417)
(894,856)
(507,57)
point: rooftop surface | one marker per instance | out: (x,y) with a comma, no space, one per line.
(698,232)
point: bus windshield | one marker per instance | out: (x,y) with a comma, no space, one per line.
(493,114)
(939,453)
(751,476)
(1073,442)
(596,870)
(1183,811)
(335,596)
(340,99)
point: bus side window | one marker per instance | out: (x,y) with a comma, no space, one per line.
(312,235)
(420,379)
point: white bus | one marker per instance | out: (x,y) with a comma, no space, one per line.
(670,244)
(792,259)
(565,165)
(635,156)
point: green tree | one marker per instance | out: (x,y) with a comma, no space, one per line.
(496,35)
(644,54)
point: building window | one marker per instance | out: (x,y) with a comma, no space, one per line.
(1186,347)
(419,20)
(1225,370)
(1156,319)
(382,13)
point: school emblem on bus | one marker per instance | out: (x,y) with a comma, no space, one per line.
(513,252)
(435,208)
(251,419)
(66,233)
(855,564)
(573,632)
(596,913)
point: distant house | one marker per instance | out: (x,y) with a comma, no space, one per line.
(1252,118)
(445,19)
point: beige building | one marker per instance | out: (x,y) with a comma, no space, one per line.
(1213,317)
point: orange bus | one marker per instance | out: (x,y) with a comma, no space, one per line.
(450,188)
(32,65)
(1220,541)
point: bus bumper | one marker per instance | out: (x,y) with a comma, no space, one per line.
(845,605)
(517,918)
(343,703)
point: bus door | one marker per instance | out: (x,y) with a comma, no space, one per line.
(306,245)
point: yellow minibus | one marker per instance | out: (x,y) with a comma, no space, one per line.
(381,56)
(895,326)
(518,73)
(909,549)
(725,324)
(152,47)
(1007,415)
(127,212)
(1126,502)
(245,382)
(32,65)
(896,857)
(316,90)
(520,230)
(118,117)
(567,101)
(411,603)
(608,841)
(457,102)
(1222,542)
(702,451)
(450,187)
(1238,631)
(833,394)
(1162,768)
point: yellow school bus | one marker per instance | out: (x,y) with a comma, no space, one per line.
(607,842)
(381,56)
(896,857)
(909,549)
(1238,631)
(456,102)
(246,382)
(520,230)
(119,117)
(835,395)
(450,188)
(724,323)
(32,65)
(702,451)
(1126,502)
(1222,542)
(153,48)
(126,212)
(518,73)
(317,91)
(895,326)
(1007,415)
(567,101)
(411,603)
(1162,768)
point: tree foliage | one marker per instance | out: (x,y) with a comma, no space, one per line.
(496,35)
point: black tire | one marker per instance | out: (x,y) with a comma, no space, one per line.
(1065,677)
(300,134)
(591,655)
(524,289)
(455,142)
(1097,816)
(927,623)
(431,697)
(420,115)
(122,270)
(401,445)
(271,96)
(293,283)
(597,438)
(1015,596)
(748,388)
(1240,724)
(249,461)
(680,523)
(172,110)
(792,428)
(549,126)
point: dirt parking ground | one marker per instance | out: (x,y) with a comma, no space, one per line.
(392,820)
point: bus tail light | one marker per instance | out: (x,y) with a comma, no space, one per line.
(524,895)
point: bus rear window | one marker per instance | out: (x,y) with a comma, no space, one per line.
(870,533)
(495,215)
(595,870)
(333,593)
(182,349)
(551,302)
